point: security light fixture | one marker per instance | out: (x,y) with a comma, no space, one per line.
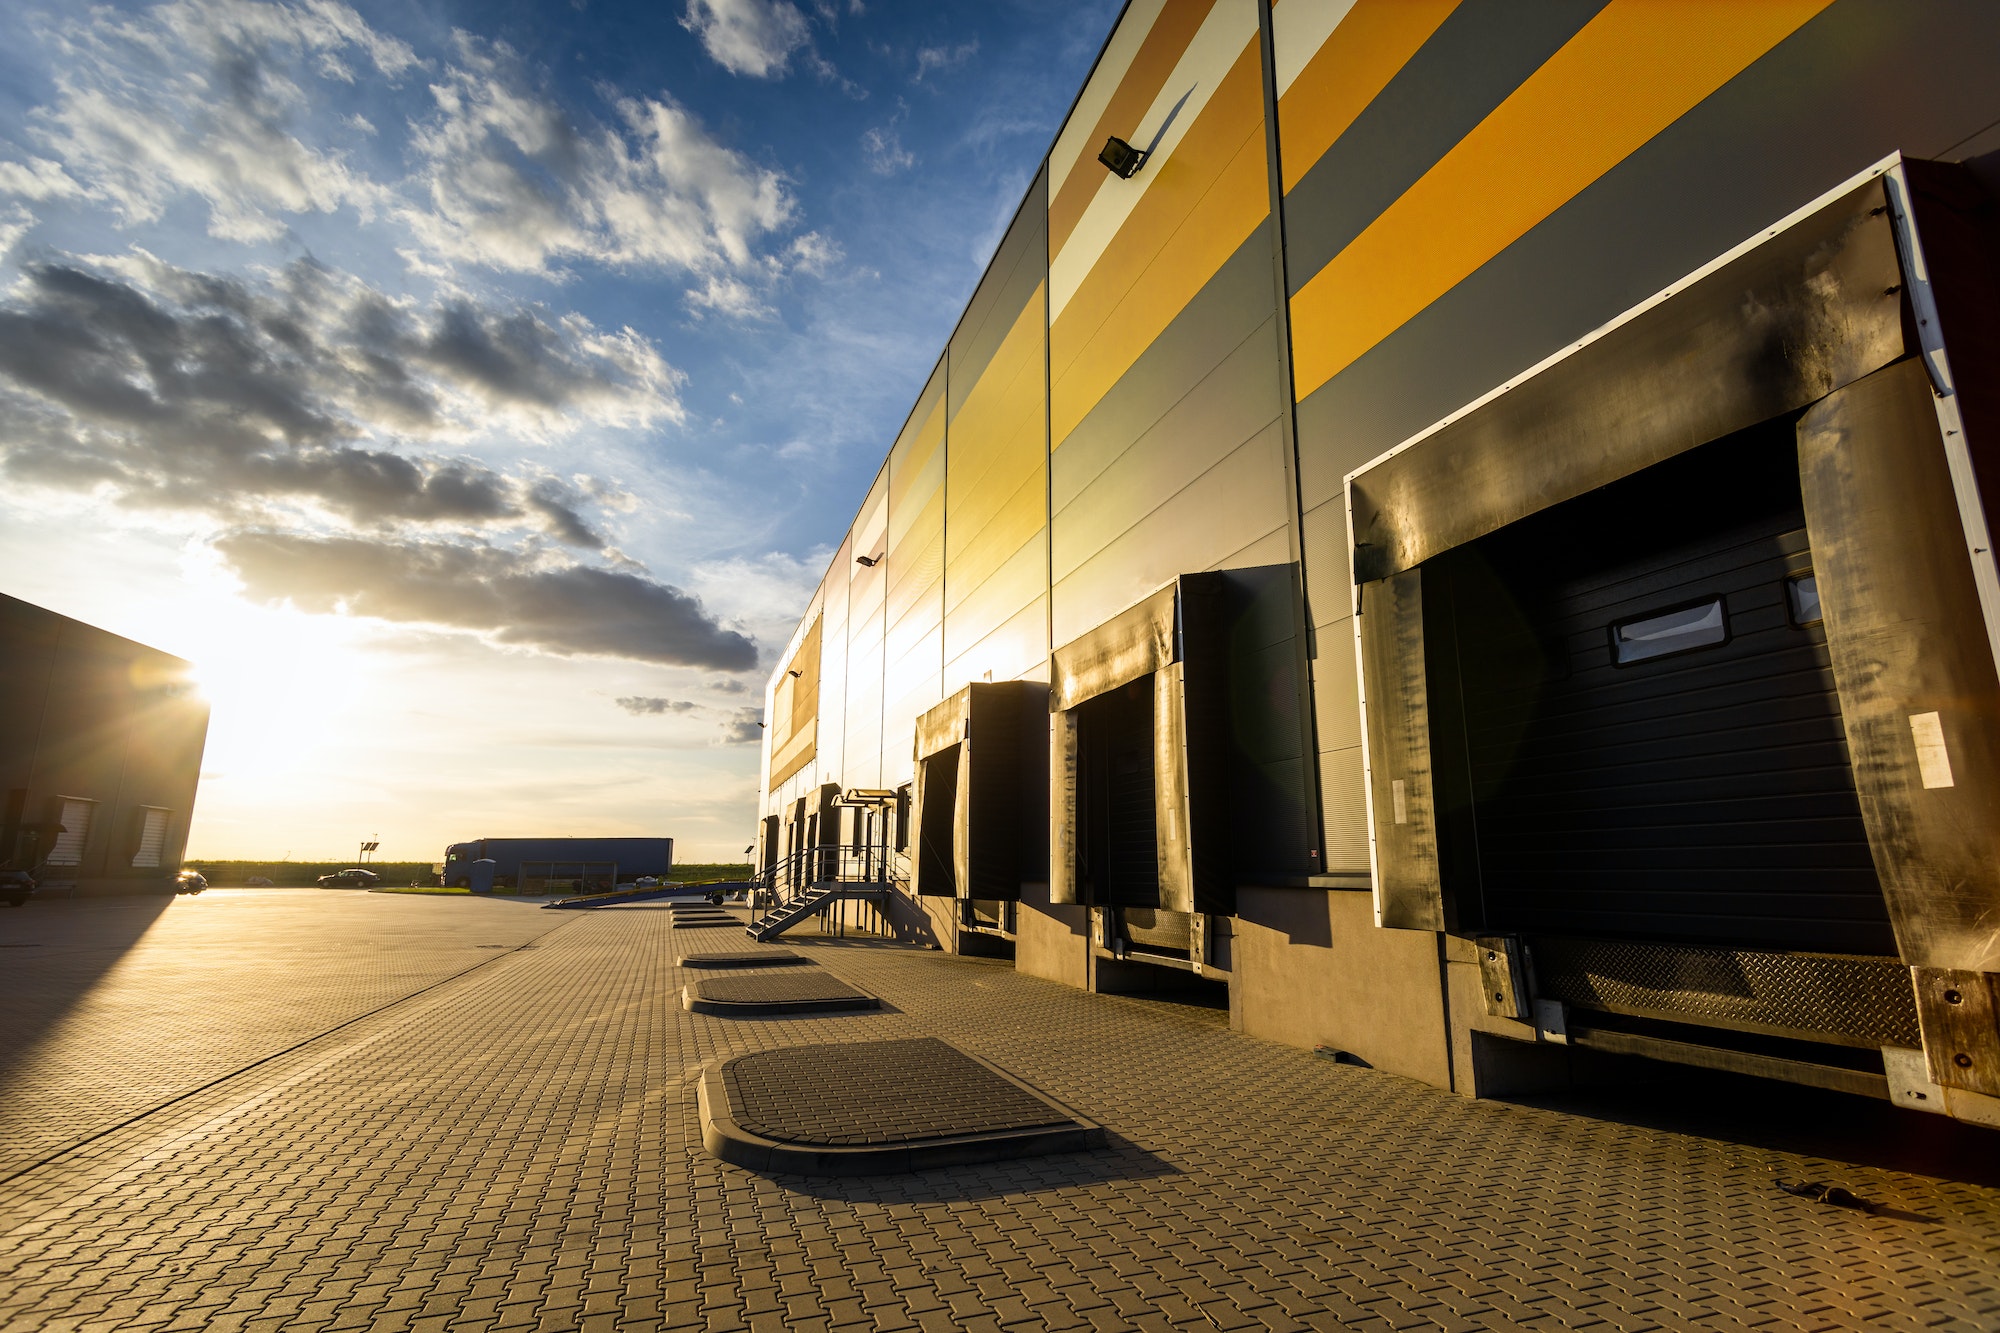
(1121,158)
(795,674)
(870,561)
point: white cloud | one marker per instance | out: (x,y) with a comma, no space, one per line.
(205,97)
(511,180)
(884,148)
(307,392)
(751,37)
(931,59)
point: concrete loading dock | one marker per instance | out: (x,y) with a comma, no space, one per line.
(1496,509)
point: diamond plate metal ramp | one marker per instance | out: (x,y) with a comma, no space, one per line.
(877,1107)
(799,990)
(744,958)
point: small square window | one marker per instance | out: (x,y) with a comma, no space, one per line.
(1802,597)
(1680,630)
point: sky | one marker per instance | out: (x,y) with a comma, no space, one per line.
(474,392)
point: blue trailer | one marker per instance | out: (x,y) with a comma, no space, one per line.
(559,865)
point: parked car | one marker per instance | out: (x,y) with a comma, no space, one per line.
(190,881)
(16,886)
(646,882)
(354,877)
(257,882)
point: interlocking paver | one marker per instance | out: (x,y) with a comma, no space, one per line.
(515,1147)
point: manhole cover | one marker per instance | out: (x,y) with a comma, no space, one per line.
(865,1107)
(776,991)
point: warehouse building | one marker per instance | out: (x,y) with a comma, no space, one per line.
(1463,524)
(100,752)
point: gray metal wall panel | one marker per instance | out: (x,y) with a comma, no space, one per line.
(1856,83)
(1239,398)
(1470,64)
(1329,579)
(1234,502)
(1230,307)
(1336,698)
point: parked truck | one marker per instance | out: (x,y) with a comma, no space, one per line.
(558,865)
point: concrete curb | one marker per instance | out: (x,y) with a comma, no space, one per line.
(729,1141)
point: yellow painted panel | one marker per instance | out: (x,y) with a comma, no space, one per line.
(998,432)
(1374,41)
(1017,519)
(1210,196)
(916,559)
(915,465)
(1225,219)
(1628,74)
(1140,84)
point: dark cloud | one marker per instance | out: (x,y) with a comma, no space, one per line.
(565,610)
(744,726)
(641,705)
(726,686)
(179,389)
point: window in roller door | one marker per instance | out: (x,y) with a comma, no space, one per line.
(1682,629)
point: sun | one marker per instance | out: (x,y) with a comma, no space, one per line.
(282,686)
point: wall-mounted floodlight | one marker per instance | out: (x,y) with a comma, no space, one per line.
(869,561)
(1121,158)
(795,674)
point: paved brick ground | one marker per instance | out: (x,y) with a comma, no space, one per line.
(115,1005)
(517,1147)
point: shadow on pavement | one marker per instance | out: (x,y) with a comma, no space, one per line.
(1781,1117)
(66,946)
(1118,1160)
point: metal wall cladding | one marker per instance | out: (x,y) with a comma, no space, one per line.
(1769,332)
(835,600)
(1127,256)
(913,642)
(996,485)
(1181,466)
(1849,85)
(868,588)
(793,726)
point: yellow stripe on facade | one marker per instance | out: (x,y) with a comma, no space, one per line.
(1628,74)
(1207,200)
(1355,63)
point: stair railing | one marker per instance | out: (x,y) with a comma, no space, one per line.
(786,881)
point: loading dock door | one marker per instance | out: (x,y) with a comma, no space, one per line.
(1635,730)
(1117,828)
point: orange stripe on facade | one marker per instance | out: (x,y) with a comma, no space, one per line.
(1144,77)
(1209,197)
(1374,42)
(1628,74)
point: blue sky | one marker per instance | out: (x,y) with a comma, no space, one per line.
(473,390)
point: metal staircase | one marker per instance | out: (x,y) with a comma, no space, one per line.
(813,881)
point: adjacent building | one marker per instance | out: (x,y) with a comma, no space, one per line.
(100,753)
(1465,525)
